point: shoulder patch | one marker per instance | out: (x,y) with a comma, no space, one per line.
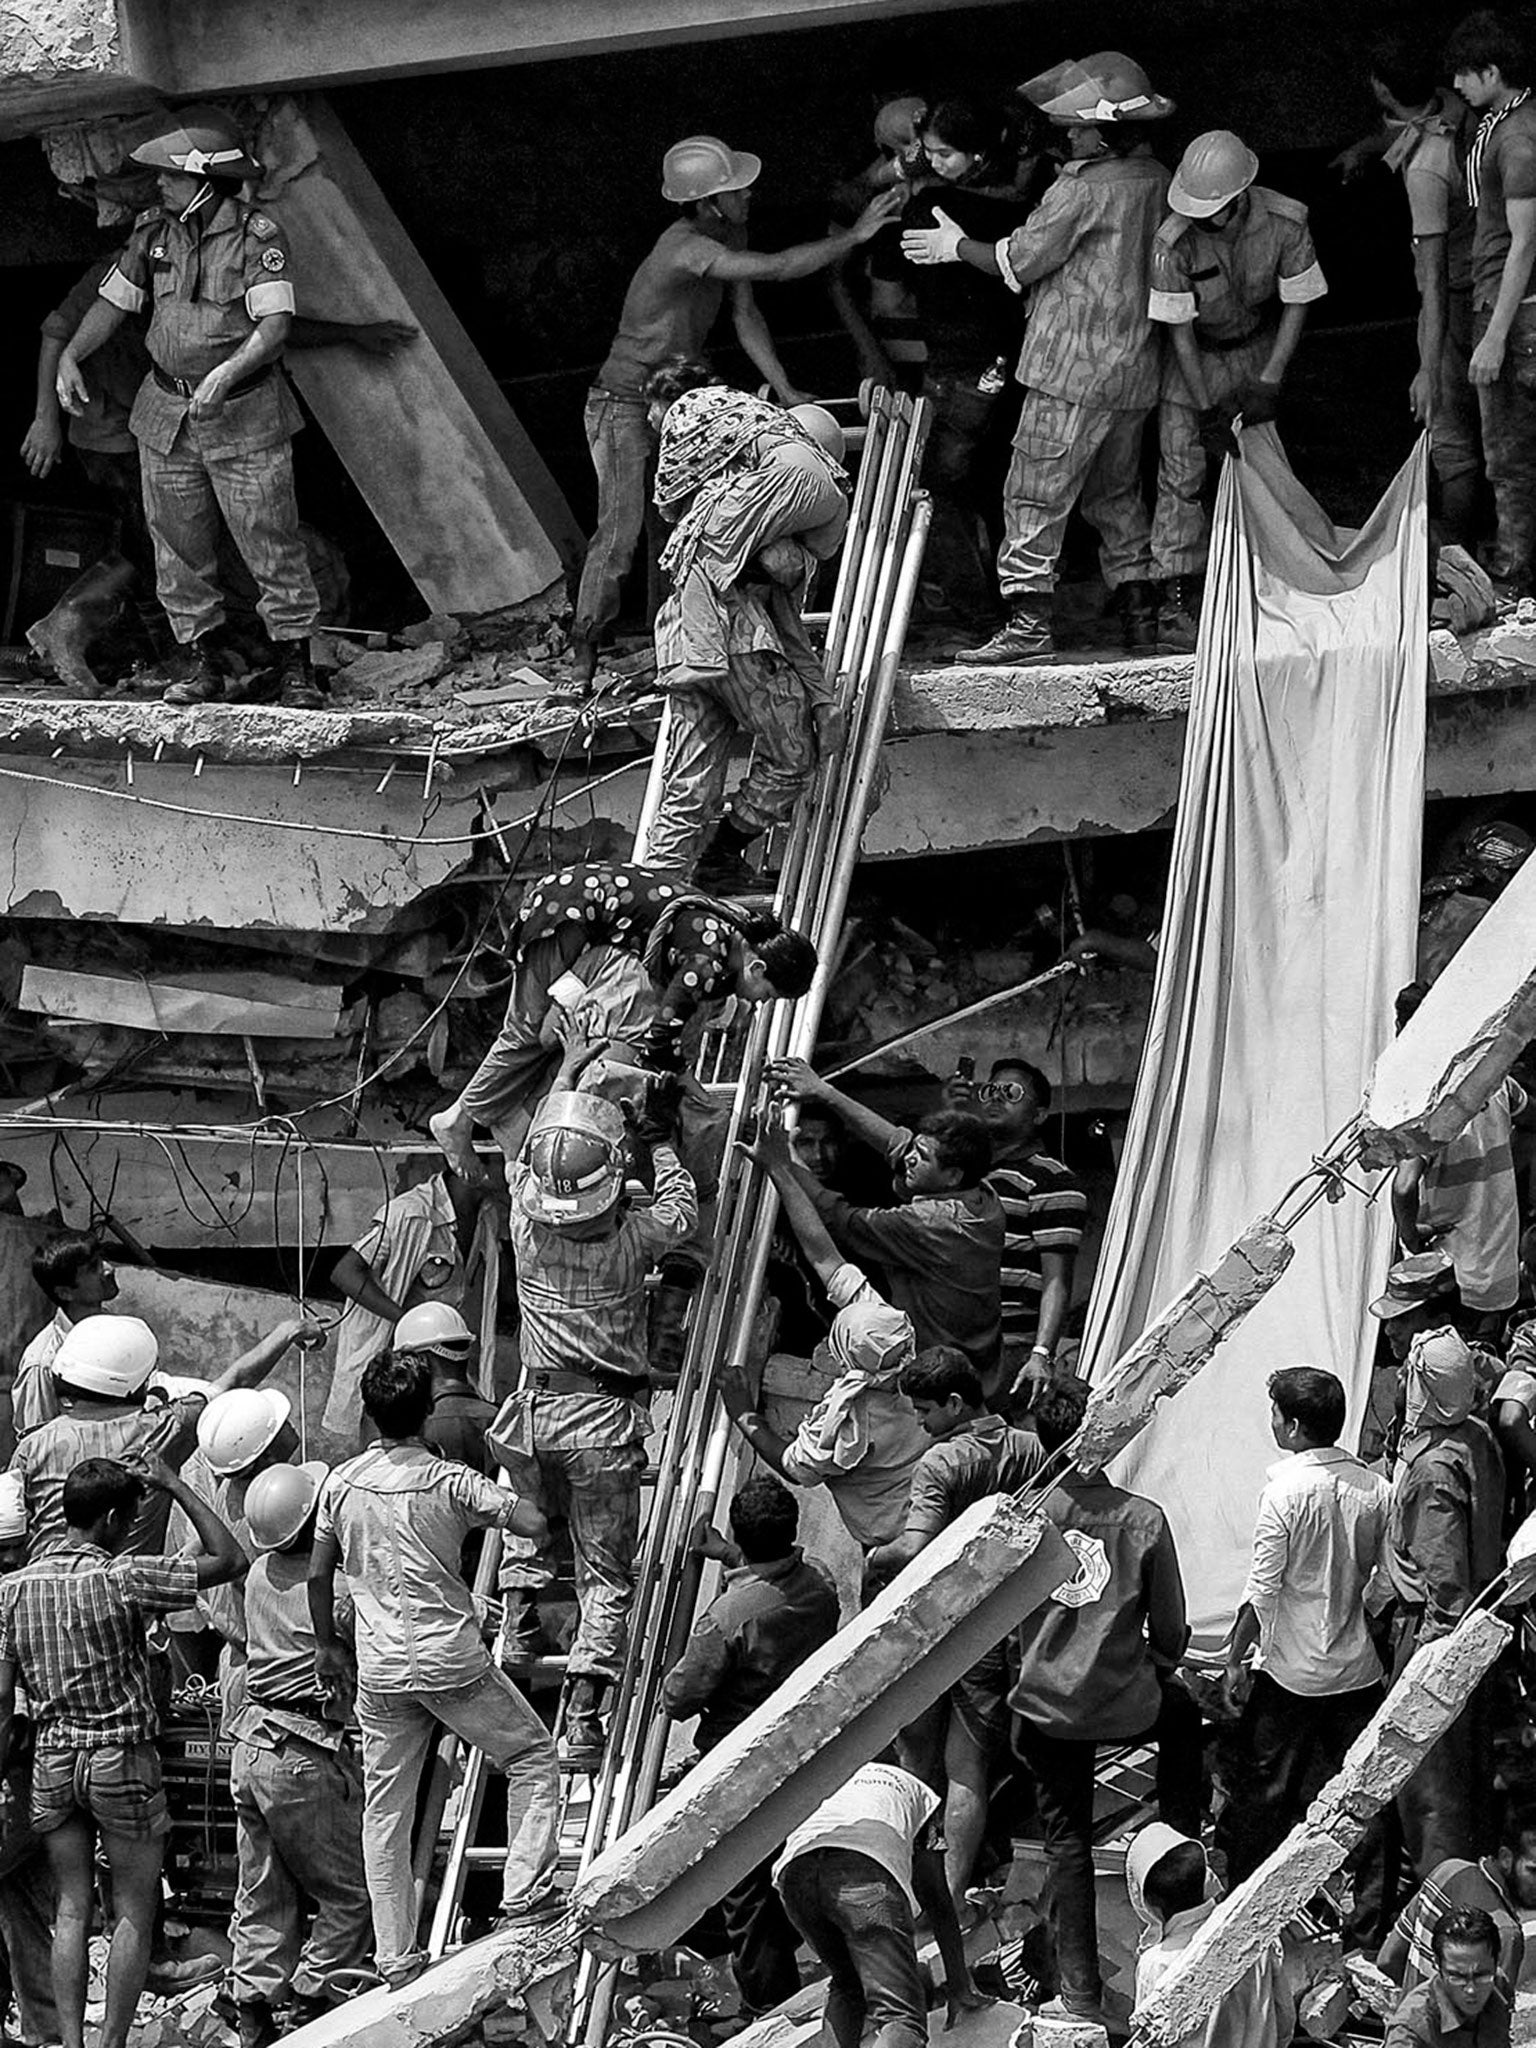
(273,259)
(148,217)
(262,228)
(1282,207)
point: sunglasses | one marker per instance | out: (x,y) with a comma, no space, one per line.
(1004,1091)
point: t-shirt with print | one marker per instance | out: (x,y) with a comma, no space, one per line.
(882,1812)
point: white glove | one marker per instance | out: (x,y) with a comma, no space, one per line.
(933,245)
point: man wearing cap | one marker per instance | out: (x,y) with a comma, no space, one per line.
(672,304)
(1444,1543)
(215,418)
(572,1439)
(1233,273)
(1091,362)
(296,1781)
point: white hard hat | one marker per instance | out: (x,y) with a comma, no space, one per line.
(279,1501)
(822,428)
(702,165)
(235,1428)
(13,1508)
(1215,169)
(433,1326)
(111,1355)
(576,1153)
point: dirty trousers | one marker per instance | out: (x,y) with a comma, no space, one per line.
(1508,411)
(399,1729)
(299,1834)
(1066,454)
(518,1066)
(1180,528)
(185,494)
(623,449)
(594,1489)
(761,695)
(856,1917)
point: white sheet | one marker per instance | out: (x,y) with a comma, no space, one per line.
(1289,928)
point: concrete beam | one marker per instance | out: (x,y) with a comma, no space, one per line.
(1435,1685)
(64,60)
(841,1707)
(205,46)
(463,496)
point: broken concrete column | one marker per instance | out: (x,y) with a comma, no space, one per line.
(1435,1685)
(961,1595)
(1173,1349)
(1464,1038)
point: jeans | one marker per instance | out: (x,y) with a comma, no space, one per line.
(1065,455)
(763,1939)
(623,451)
(856,1917)
(1508,412)
(299,1821)
(1290,1746)
(1063,1771)
(596,1489)
(398,1730)
(185,495)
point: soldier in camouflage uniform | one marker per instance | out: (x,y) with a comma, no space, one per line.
(1091,361)
(214,418)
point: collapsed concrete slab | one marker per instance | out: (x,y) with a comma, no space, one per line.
(1463,1040)
(961,1595)
(1436,1684)
(1171,1350)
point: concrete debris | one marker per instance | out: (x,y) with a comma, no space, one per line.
(1464,1038)
(385,675)
(1435,1685)
(1175,1347)
(842,1706)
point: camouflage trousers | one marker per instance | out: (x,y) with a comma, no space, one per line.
(1066,454)
(188,496)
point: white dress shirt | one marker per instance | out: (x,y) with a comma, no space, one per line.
(1322,1518)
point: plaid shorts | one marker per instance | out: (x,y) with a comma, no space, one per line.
(119,1787)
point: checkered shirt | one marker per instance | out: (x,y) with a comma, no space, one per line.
(72,1622)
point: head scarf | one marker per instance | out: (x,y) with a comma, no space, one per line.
(871,1344)
(706,430)
(1147,1850)
(1440,1383)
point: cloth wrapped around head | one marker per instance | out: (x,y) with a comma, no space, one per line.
(871,1344)
(1148,1848)
(1440,1381)
(706,430)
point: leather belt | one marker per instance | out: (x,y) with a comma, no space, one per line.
(185,387)
(313,1709)
(551,1381)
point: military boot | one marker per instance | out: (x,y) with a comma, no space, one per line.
(1136,604)
(1178,618)
(1025,640)
(584,1736)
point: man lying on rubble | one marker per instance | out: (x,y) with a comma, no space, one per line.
(942,1246)
(214,418)
(776,1609)
(572,1438)
(72,1638)
(758,499)
(104,1370)
(862,1439)
(611,943)
(392,1524)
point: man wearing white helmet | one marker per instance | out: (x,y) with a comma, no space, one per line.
(104,1368)
(1233,273)
(572,1439)
(460,1415)
(1090,363)
(673,302)
(296,1780)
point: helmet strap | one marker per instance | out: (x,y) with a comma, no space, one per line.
(199,199)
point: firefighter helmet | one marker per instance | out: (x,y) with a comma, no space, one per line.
(202,141)
(576,1157)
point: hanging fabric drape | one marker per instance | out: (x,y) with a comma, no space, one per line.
(1289,928)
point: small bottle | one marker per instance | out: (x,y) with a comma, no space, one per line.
(992,379)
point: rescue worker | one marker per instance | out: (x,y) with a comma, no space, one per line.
(214,419)
(572,1438)
(1233,273)
(673,301)
(297,1784)
(758,501)
(1090,362)
(460,1416)
(639,957)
